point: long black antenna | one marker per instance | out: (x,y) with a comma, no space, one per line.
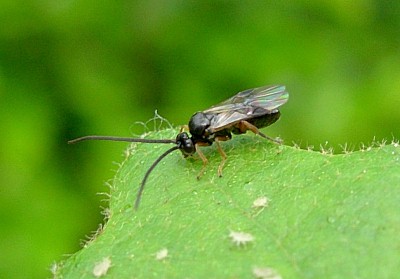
(120,139)
(111,138)
(139,194)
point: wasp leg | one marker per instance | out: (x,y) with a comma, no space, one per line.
(184,128)
(244,126)
(223,154)
(203,158)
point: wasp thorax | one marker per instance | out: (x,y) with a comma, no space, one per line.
(198,124)
(185,144)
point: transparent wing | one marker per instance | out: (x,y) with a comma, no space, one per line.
(247,104)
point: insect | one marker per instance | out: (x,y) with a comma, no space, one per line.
(247,110)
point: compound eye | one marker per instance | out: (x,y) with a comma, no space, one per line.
(182,137)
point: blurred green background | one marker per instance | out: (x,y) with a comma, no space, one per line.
(72,68)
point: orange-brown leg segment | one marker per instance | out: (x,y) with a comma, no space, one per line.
(223,154)
(201,155)
(244,126)
(184,128)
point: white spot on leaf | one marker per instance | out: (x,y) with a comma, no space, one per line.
(162,254)
(260,202)
(102,267)
(266,273)
(241,238)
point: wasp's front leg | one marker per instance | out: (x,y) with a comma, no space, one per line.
(221,152)
(184,128)
(202,157)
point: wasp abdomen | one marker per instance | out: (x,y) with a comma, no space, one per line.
(265,120)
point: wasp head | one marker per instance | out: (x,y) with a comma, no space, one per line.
(185,144)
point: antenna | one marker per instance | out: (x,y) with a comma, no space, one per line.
(111,138)
(140,191)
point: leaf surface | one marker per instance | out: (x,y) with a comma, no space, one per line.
(326,216)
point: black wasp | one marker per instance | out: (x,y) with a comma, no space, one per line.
(251,109)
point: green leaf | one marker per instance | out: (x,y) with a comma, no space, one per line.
(326,216)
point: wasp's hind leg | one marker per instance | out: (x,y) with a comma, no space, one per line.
(244,126)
